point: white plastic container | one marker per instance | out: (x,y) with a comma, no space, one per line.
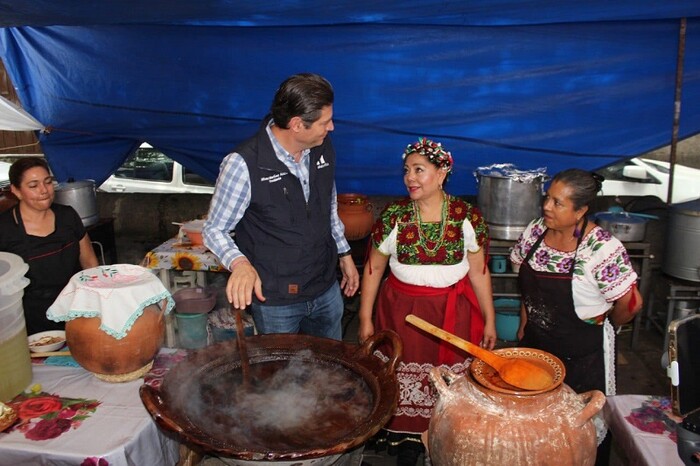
(15,362)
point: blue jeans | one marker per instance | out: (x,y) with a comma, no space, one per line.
(319,317)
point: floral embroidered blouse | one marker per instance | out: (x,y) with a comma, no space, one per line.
(602,272)
(434,254)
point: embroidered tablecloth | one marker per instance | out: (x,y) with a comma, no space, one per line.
(645,428)
(70,417)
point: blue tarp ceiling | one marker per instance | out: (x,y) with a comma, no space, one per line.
(534,83)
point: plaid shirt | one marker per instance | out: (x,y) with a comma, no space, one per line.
(232,197)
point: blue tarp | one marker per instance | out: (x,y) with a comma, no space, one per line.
(533,83)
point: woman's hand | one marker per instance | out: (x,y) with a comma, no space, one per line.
(523,320)
(489,340)
(365,330)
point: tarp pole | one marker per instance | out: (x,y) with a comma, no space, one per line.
(676,108)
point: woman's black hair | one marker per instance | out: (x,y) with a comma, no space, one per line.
(584,184)
(19,167)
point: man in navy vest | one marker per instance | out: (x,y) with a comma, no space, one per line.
(277,192)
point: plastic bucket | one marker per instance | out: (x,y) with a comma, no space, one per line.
(192,330)
(507,318)
(15,363)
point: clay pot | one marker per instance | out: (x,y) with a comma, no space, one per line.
(355,211)
(472,424)
(197,400)
(116,360)
(7,200)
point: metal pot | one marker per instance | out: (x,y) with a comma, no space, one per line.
(682,253)
(508,203)
(82,196)
(198,398)
(625,226)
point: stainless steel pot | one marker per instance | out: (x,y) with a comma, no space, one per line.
(682,252)
(82,196)
(624,226)
(508,204)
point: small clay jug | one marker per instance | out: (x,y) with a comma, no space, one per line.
(355,211)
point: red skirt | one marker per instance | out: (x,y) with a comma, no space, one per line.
(422,351)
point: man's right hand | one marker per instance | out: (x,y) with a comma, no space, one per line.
(243,281)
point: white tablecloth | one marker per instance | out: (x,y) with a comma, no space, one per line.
(119,430)
(644,427)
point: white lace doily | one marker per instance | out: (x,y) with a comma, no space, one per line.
(117,294)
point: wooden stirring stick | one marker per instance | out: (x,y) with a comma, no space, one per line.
(517,372)
(242,349)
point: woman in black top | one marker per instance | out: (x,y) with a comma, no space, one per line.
(50,238)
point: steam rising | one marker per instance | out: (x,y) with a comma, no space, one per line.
(291,404)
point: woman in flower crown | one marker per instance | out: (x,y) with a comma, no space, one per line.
(434,245)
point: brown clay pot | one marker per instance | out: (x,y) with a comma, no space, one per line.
(7,200)
(116,360)
(355,211)
(472,424)
(197,401)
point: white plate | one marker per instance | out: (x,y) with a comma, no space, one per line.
(49,334)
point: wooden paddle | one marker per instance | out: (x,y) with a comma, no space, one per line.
(517,372)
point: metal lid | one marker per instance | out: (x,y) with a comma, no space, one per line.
(12,270)
(620,217)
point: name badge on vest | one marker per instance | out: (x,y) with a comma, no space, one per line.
(293,288)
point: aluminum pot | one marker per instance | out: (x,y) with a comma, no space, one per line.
(508,204)
(82,196)
(198,399)
(682,251)
(624,226)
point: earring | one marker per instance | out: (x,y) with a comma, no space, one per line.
(577,231)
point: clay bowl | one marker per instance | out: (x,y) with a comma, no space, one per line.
(487,376)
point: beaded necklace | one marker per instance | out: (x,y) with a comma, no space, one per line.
(422,237)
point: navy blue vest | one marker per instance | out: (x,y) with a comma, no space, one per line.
(288,241)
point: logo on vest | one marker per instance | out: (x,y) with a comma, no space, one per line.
(321,163)
(273,178)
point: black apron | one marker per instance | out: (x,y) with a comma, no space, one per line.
(52,261)
(553,325)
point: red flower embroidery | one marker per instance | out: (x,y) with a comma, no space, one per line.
(408,234)
(426,258)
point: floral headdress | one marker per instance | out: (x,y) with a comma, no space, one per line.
(434,151)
